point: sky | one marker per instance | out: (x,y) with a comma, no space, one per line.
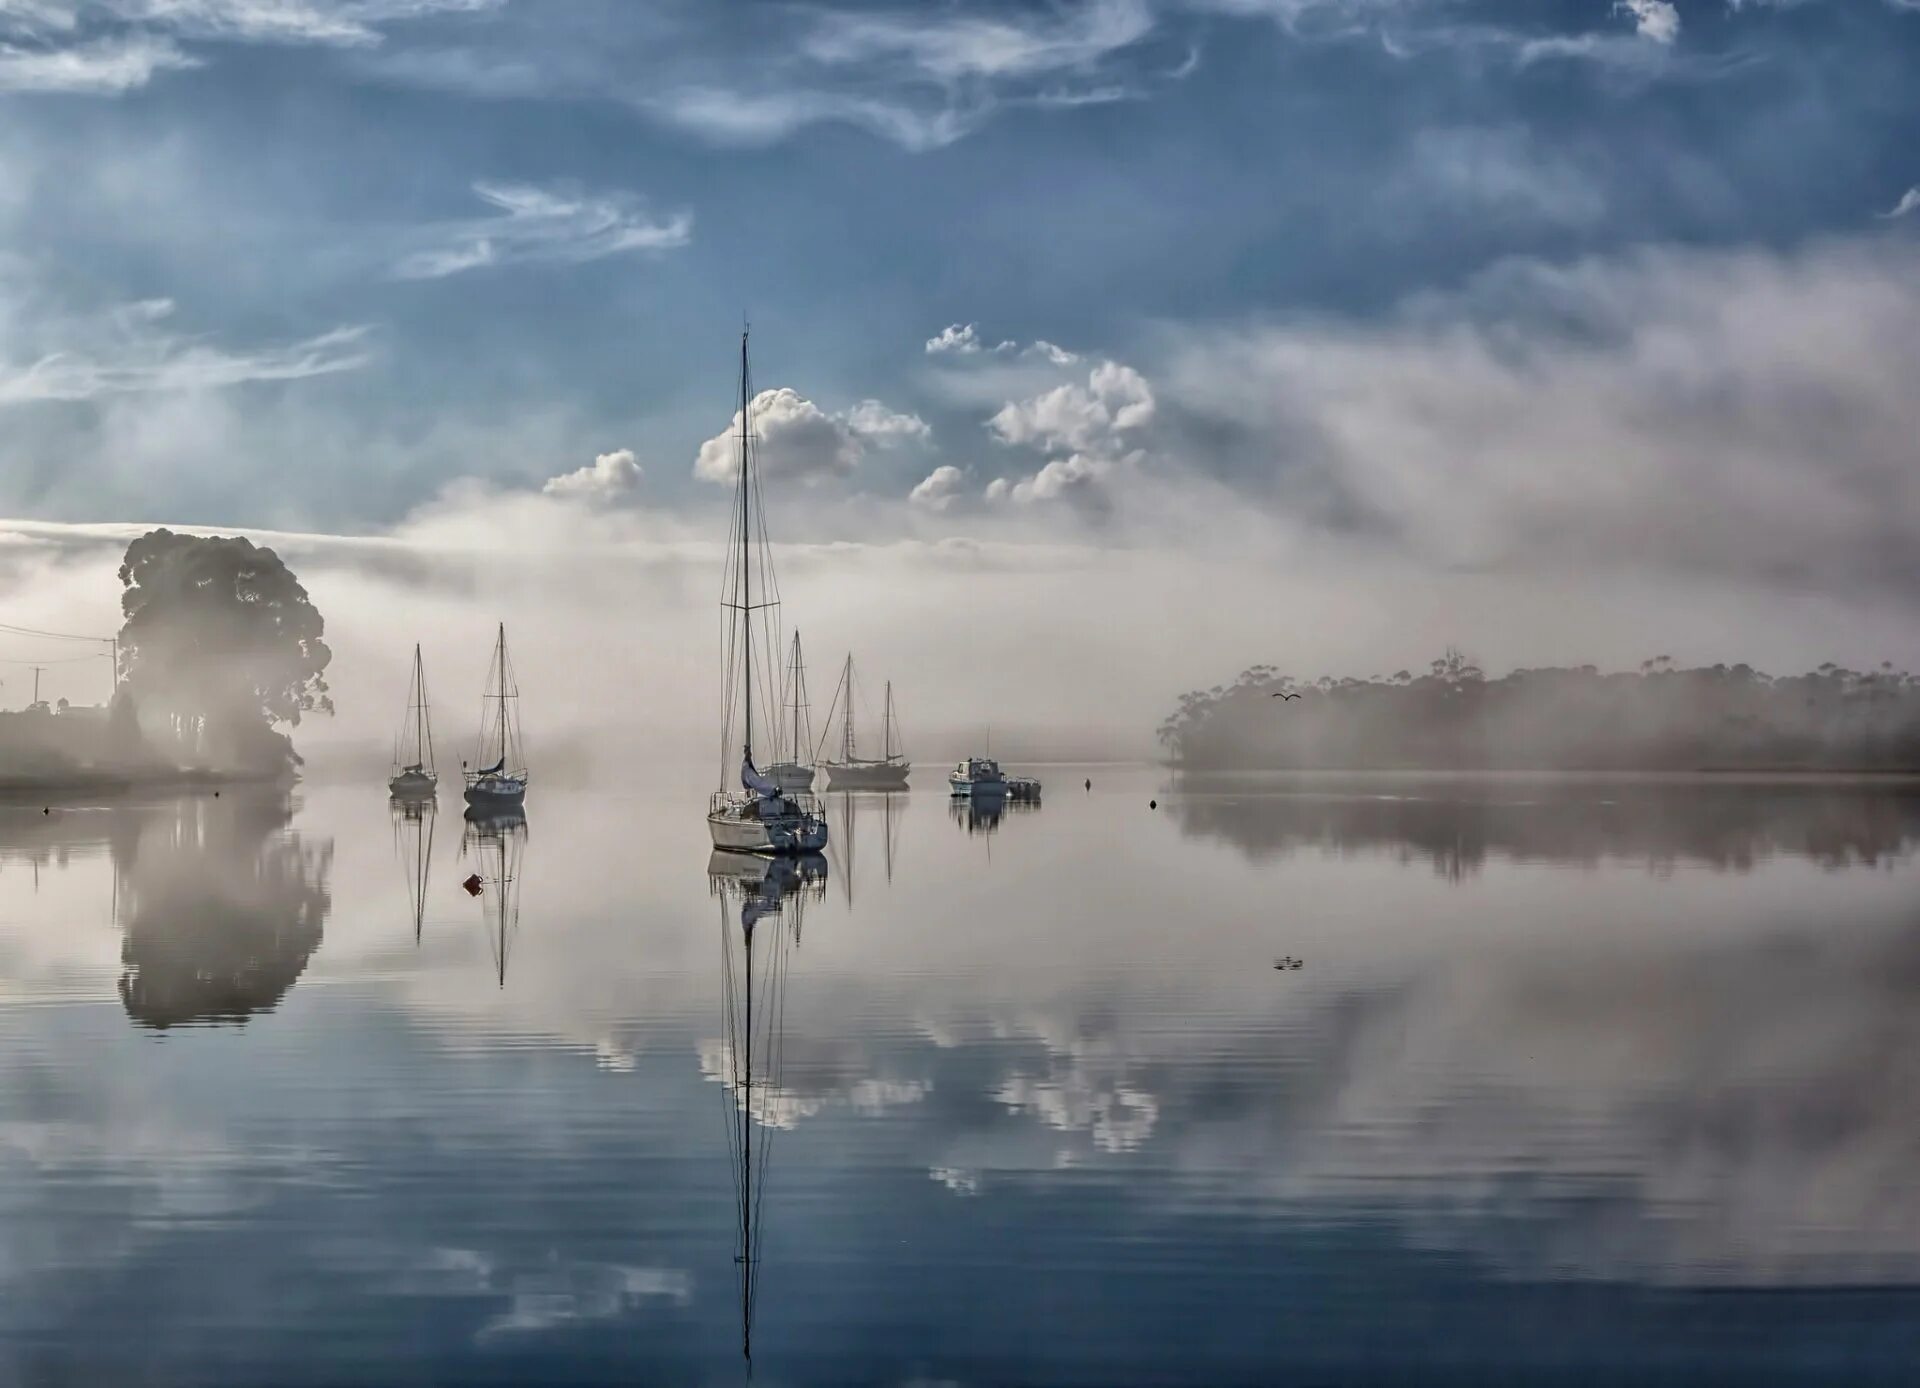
(1109,346)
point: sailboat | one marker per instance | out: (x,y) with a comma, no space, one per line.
(500,784)
(791,773)
(413,775)
(758,816)
(852,771)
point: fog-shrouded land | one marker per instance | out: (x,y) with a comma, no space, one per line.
(1453,715)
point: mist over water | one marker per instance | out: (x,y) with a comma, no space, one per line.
(1598,1073)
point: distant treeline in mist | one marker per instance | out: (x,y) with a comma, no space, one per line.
(1453,716)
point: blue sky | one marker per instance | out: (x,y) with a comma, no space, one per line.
(1555,294)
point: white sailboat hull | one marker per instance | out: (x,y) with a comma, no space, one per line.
(738,826)
(868,775)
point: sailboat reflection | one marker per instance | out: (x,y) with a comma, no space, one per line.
(413,847)
(498,845)
(763,894)
(848,809)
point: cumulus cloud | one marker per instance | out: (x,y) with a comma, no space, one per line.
(130,350)
(1115,399)
(1658,20)
(964,340)
(798,439)
(874,422)
(1909,203)
(938,488)
(544,225)
(611,477)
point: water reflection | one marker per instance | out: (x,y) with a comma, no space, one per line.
(848,808)
(757,896)
(495,846)
(982,811)
(1457,824)
(413,823)
(220,905)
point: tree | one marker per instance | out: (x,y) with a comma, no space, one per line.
(223,643)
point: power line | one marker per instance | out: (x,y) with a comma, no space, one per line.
(11,630)
(61,660)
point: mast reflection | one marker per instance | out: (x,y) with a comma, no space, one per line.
(413,822)
(849,808)
(497,843)
(767,897)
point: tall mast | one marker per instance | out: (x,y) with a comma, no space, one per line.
(794,687)
(419,709)
(746,561)
(886,726)
(500,674)
(846,712)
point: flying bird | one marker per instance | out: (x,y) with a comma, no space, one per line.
(1283,696)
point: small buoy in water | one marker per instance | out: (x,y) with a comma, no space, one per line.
(472,885)
(47,810)
(216,795)
(1153,804)
(1089,783)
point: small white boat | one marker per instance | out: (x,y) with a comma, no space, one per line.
(977,776)
(791,773)
(413,774)
(502,783)
(758,816)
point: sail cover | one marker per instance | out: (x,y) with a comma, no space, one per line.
(754,781)
(495,769)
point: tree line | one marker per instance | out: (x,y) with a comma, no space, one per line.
(1453,716)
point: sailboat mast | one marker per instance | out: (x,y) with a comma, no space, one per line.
(794,686)
(886,726)
(419,709)
(846,712)
(500,677)
(746,561)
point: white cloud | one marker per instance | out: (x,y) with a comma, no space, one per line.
(98,67)
(545,225)
(731,117)
(106,47)
(1909,202)
(130,350)
(1115,401)
(1059,356)
(1658,20)
(957,47)
(798,439)
(938,489)
(610,477)
(955,337)
(876,423)
(998,489)
(1743,414)
(1062,476)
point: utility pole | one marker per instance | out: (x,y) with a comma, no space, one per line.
(36,682)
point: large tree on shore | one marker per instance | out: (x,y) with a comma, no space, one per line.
(222,641)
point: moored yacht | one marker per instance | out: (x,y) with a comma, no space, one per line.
(413,774)
(977,776)
(501,784)
(757,816)
(890,769)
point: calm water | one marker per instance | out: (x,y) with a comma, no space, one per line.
(1576,1082)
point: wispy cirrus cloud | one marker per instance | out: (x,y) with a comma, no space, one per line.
(95,67)
(131,351)
(543,225)
(107,47)
(1909,203)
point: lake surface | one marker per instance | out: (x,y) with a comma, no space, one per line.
(1577,1081)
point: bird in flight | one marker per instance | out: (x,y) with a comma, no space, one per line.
(1284,696)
